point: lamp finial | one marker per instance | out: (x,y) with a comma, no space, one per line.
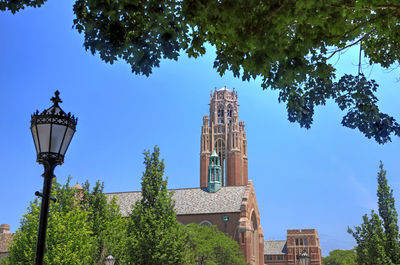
(56,99)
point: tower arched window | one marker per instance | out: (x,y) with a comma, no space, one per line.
(229,111)
(220,112)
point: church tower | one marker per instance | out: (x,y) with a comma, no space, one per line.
(222,132)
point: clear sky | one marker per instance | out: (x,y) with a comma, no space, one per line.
(322,178)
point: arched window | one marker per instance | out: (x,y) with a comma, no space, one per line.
(254,236)
(205,222)
(229,111)
(220,111)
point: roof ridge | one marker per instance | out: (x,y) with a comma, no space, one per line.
(224,187)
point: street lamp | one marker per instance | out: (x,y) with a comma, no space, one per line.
(52,131)
(304,258)
(110,260)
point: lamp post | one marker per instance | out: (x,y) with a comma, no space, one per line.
(52,131)
(225,218)
(304,258)
(110,260)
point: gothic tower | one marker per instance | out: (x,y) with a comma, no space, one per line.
(222,132)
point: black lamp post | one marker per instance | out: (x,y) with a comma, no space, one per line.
(304,258)
(52,131)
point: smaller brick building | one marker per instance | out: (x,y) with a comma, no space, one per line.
(5,240)
(284,252)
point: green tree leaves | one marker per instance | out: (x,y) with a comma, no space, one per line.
(388,213)
(16,5)
(340,257)
(209,246)
(287,44)
(378,236)
(82,228)
(155,237)
(138,32)
(68,234)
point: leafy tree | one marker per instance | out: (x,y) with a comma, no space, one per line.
(340,257)
(378,236)
(155,237)
(209,246)
(72,237)
(4,261)
(107,224)
(388,213)
(69,237)
(287,44)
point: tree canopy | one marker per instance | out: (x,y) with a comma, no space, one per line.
(287,44)
(209,246)
(378,236)
(75,234)
(340,257)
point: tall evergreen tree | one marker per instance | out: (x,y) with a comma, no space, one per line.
(155,235)
(107,224)
(378,236)
(388,213)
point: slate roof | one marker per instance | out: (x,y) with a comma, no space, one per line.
(275,247)
(5,240)
(191,201)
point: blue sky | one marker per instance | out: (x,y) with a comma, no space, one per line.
(322,178)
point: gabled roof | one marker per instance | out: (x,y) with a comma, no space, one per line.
(275,247)
(191,201)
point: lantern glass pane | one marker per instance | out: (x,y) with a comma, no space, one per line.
(67,140)
(304,261)
(57,135)
(44,136)
(35,138)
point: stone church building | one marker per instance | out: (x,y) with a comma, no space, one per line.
(226,198)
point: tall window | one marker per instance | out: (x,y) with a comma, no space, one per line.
(220,112)
(301,241)
(229,111)
(254,235)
